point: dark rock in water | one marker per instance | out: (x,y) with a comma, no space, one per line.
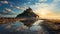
(28,13)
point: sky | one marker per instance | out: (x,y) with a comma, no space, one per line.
(43,8)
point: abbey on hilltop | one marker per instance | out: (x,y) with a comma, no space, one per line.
(28,13)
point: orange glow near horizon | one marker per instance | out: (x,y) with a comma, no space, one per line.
(46,14)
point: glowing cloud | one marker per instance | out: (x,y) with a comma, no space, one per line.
(42,0)
(4,2)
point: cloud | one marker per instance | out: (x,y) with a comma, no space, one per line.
(22,28)
(51,7)
(38,22)
(54,5)
(29,2)
(11,5)
(4,2)
(35,28)
(38,6)
(42,0)
(21,8)
(34,5)
(56,0)
(7,11)
(42,5)
(7,27)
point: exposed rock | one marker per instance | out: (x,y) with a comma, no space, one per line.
(28,13)
(32,17)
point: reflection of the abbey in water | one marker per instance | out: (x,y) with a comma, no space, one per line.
(30,21)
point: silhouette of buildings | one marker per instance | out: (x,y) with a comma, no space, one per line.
(28,13)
